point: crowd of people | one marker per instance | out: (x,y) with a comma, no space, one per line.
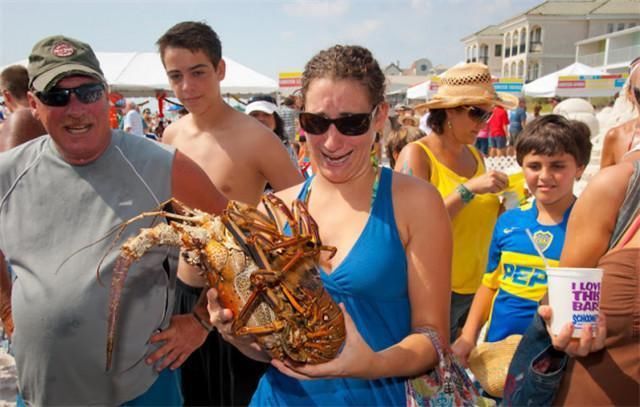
(422,245)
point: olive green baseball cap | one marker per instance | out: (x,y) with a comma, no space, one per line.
(56,57)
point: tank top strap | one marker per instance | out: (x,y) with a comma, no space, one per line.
(436,165)
(629,208)
(427,151)
(383,204)
(479,159)
(303,195)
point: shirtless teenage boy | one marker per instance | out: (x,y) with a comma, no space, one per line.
(240,156)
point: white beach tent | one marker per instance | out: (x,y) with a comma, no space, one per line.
(141,74)
(420,91)
(547,85)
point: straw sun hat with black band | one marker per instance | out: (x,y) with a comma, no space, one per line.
(468,85)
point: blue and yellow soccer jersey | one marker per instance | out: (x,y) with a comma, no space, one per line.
(516,270)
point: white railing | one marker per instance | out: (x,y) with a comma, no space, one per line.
(625,54)
(592,59)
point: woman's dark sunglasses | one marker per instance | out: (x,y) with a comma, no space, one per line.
(87,94)
(636,93)
(477,114)
(351,125)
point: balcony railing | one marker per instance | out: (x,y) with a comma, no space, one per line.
(625,54)
(535,46)
(592,59)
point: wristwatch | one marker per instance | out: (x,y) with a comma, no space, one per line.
(465,193)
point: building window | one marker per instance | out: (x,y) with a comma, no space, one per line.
(609,28)
(631,25)
(520,69)
(620,26)
(536,36)
(498,50)
(483,54)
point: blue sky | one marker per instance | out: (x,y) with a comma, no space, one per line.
(269,36)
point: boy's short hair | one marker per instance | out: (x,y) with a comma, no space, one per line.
(554,134)
(398,139)
(15,80)
(194,36)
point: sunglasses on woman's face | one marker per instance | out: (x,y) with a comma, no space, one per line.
(87,94)
(477,114)
(350,125)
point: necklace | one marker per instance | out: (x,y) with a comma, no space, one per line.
(374,187)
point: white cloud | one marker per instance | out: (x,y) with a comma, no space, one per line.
(317,8)
(360,31)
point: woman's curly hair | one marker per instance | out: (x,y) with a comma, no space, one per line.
(346,62)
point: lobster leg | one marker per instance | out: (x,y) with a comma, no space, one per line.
(132,250)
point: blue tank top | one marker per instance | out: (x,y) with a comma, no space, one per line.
(371,281)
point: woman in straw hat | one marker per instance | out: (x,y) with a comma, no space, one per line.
(387,272)
(448,160)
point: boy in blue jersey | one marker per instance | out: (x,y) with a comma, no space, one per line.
(553,153)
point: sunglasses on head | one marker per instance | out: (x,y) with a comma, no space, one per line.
(87,94)
(477,114)
(350,125)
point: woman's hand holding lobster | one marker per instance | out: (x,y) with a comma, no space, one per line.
(356,359)
(222,319)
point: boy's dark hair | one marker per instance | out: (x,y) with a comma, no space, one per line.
(15,79)
(397,139)
(194,36)
(554,134)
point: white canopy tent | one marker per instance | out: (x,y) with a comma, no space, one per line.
(420,91)
(547,85)
(141,74)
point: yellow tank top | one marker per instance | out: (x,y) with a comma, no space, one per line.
(472,226)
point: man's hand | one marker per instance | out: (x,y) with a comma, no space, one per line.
(184,335)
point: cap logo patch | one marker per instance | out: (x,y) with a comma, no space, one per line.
(63,50)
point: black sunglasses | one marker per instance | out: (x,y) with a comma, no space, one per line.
(351,125)
(477,114)
(87,94)
(636,93)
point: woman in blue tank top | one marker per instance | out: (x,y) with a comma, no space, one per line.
(393,264)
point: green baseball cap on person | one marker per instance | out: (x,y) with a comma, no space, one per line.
(56,57)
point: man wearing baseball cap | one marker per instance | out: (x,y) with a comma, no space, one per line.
(62,196)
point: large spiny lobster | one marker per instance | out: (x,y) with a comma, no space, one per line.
(268,279)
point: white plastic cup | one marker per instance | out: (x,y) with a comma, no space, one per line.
(574,297)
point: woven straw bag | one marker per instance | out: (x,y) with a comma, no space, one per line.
(489,363)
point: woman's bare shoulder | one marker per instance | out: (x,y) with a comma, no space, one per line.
(411,192)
